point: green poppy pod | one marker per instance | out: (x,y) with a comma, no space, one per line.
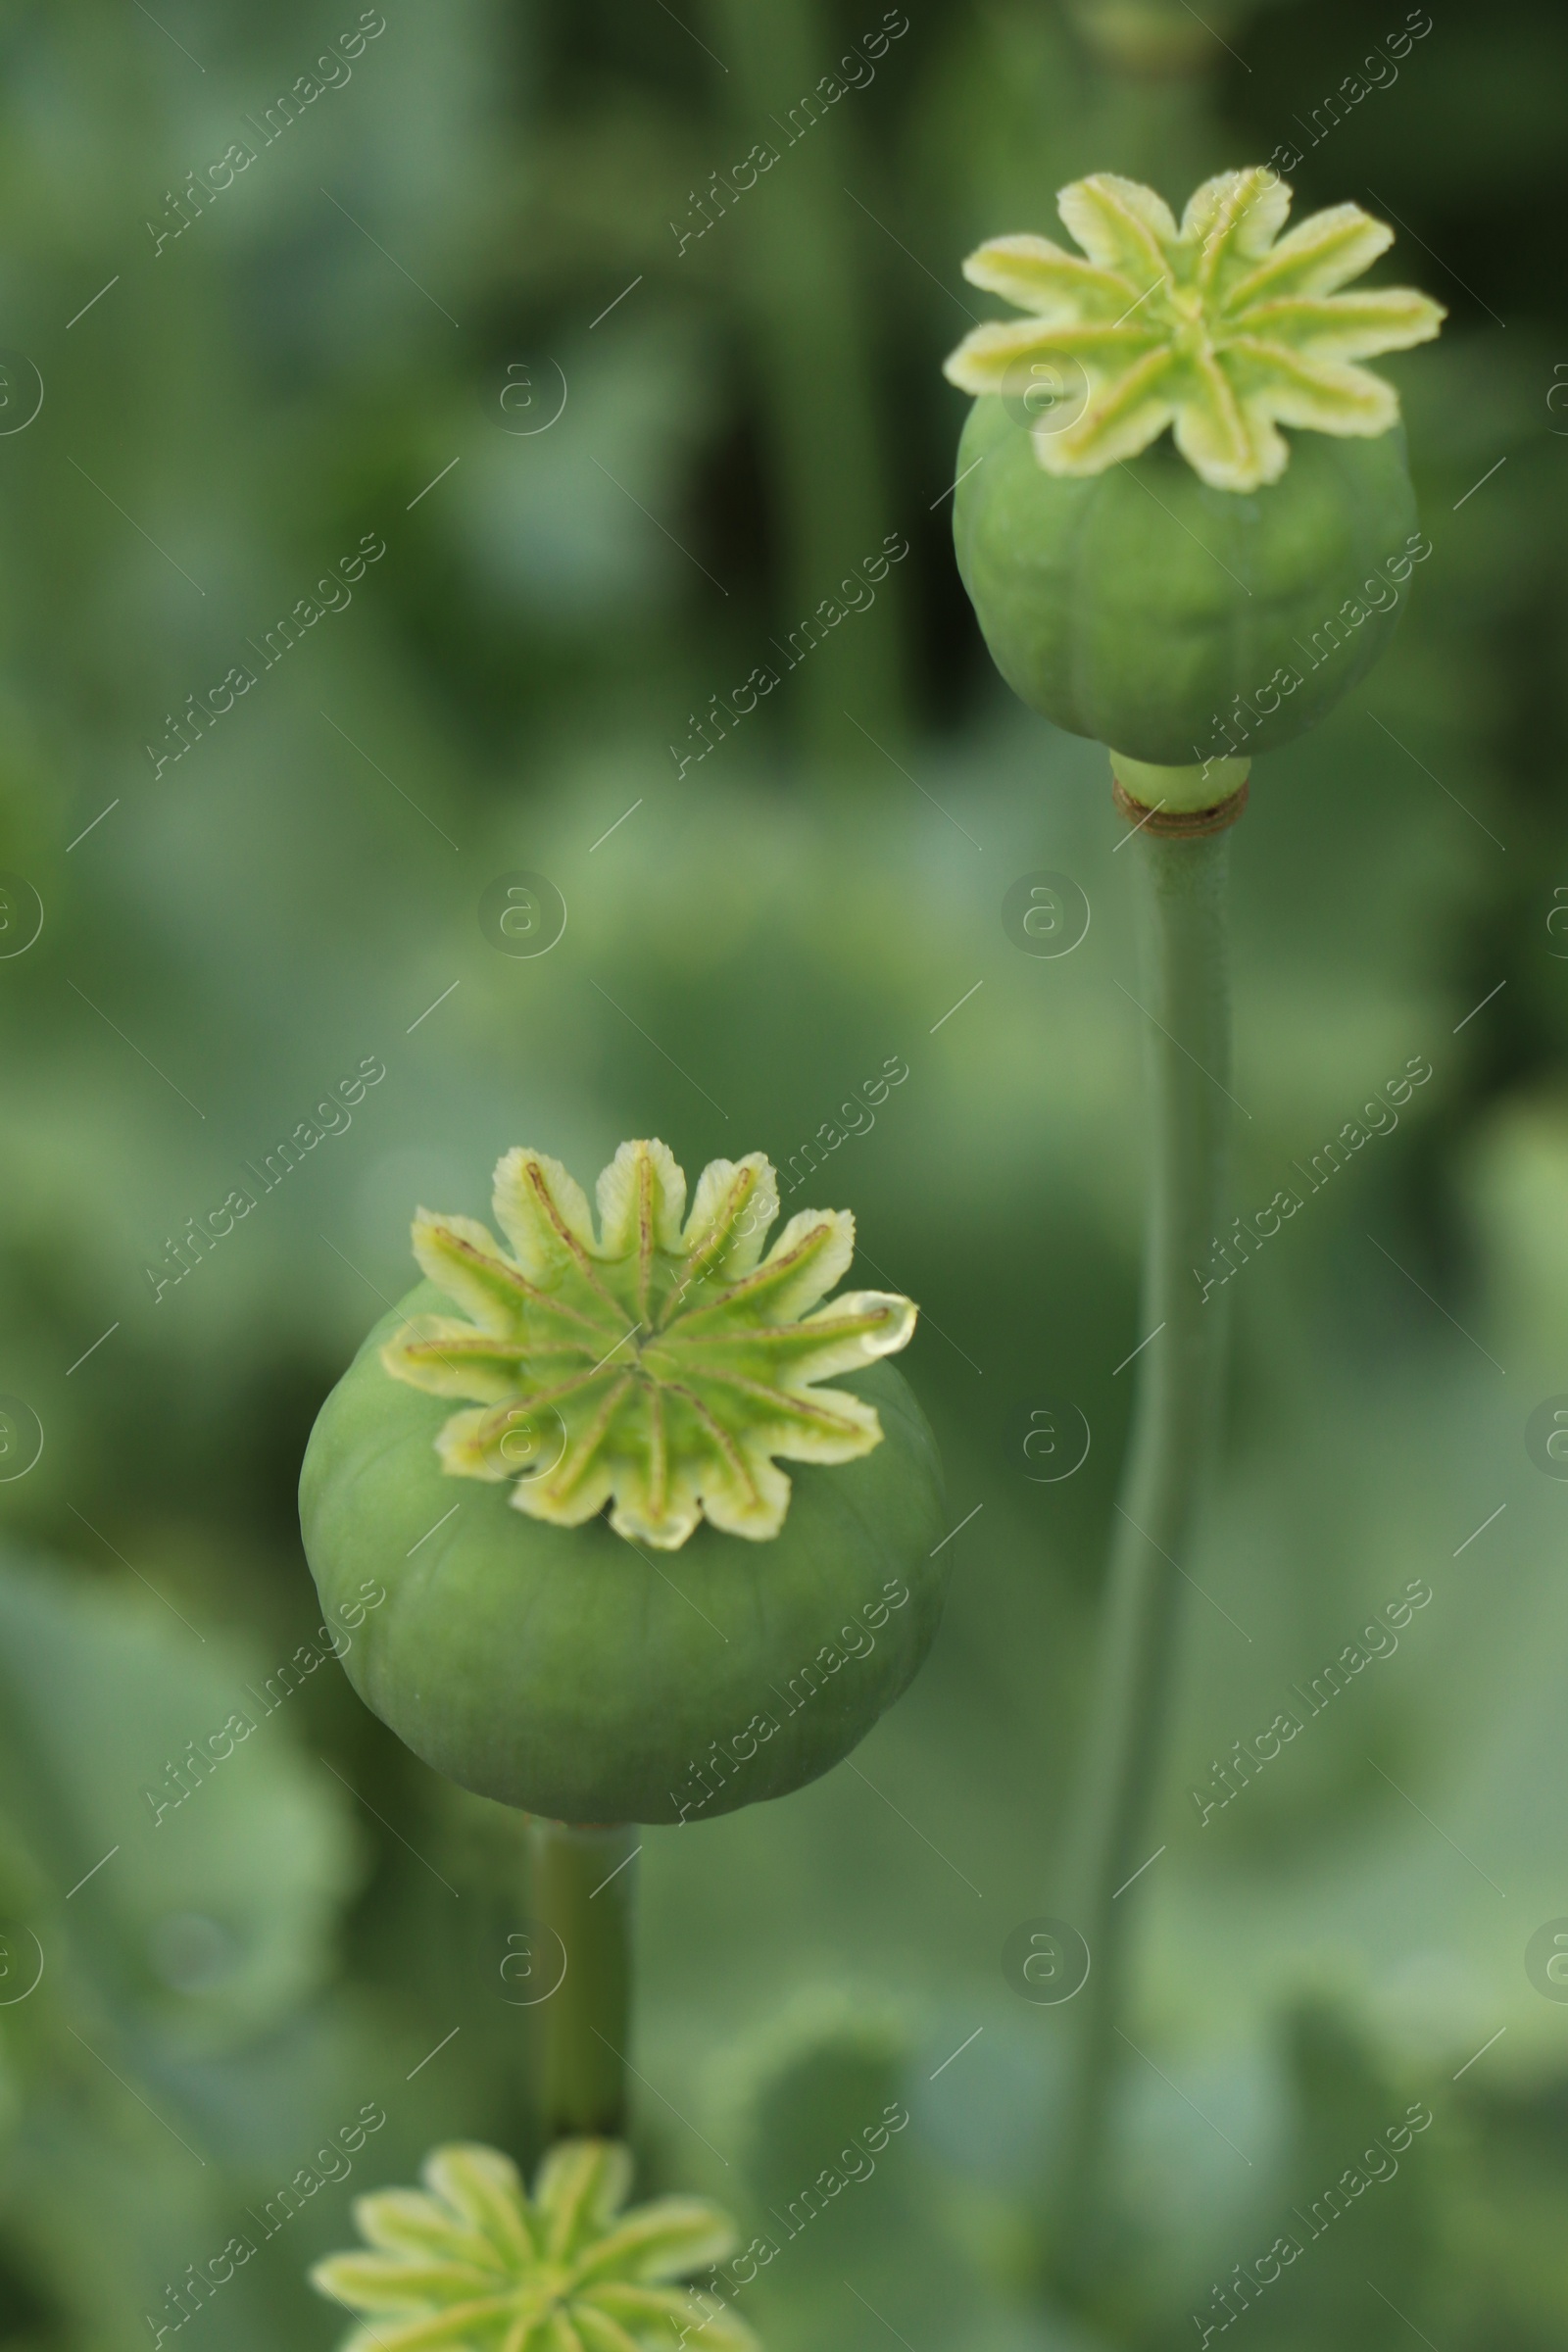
(726,1633)
(1178,623)
(1198,598)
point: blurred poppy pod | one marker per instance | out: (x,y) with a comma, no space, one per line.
(474,2259)
(1215,598)
(727,1632)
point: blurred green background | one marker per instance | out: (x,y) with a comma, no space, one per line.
(458,302)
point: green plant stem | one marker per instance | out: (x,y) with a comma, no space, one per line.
(791,250)
(1180,891)
(583,1883)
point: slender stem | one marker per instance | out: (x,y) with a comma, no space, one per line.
(583,1899)
(1181,917)
(792,248)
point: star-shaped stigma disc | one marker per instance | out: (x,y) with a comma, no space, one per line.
(1222,328)
(663,1364)
(473,2263)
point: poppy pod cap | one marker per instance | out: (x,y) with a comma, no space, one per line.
(1153,561)
(473,2258)
(606,1601)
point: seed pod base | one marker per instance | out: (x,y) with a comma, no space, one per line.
(1173,621)
(572,1673)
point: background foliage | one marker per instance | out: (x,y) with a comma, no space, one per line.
(240,1980)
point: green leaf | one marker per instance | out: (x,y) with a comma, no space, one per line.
(213,1895)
